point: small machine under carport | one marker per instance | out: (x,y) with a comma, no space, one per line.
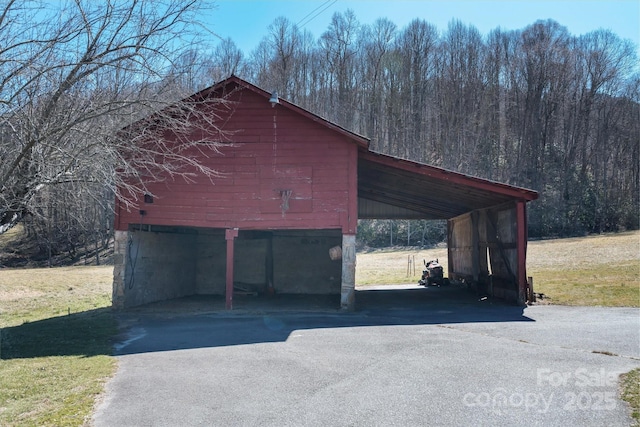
(433,274)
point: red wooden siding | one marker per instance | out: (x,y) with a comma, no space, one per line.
(274,150)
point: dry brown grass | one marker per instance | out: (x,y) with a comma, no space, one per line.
(594,270)
(601,270)
(395,266)
(631,393)
(40,293)
(581,252)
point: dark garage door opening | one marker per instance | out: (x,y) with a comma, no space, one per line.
(174,262)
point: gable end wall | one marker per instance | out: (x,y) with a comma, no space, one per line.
(283,171)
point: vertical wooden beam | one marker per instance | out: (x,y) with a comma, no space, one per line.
(531,296)
(351,224)
(348,286)
(475,250)
(450,249)
(230,236)
(521,245)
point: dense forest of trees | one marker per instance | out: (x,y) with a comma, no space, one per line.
(536,107)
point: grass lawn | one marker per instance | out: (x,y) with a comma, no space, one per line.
(601,270)
(55,347)
(395,266)
(56,325)
(631,393)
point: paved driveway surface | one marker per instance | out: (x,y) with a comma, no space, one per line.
(450,364)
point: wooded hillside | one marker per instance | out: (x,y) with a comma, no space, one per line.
(536,107)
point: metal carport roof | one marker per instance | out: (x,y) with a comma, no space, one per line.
(394,188)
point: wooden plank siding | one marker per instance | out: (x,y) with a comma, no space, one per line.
(273,150)
(483,250)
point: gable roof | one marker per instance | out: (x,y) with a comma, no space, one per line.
(243,84)
(394,188)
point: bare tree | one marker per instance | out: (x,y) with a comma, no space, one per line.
(284,39)
(72,75)
(535,107)
(338,47)
(418,42)
(283,60)
(227,59)
(377,42)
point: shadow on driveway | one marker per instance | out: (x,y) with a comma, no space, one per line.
(202,322)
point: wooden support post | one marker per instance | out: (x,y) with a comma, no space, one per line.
(475,250)
(230,236)
(521,274)
(348,287)
(450,248)
(531,296)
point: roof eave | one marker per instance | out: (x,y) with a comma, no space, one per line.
(520,193)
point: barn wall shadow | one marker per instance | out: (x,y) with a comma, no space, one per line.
(166,327)
(89,333)
(202,321)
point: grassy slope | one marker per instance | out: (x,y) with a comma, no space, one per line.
(595,270)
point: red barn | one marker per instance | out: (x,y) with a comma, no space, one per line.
(292,189)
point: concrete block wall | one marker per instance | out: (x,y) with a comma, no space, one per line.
(301,262)
(119,268)
(348,285)
(211,267)
(155,266)
(158,266)
(249,267)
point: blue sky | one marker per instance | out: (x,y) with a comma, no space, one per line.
(246,21)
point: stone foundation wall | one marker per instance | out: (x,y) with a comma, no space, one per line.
(152,266)
(119,268)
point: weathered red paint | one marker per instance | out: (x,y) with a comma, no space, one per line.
(274,152)
(286,168)
(352,194)
(521,245)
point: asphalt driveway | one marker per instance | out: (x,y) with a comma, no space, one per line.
(454,363)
